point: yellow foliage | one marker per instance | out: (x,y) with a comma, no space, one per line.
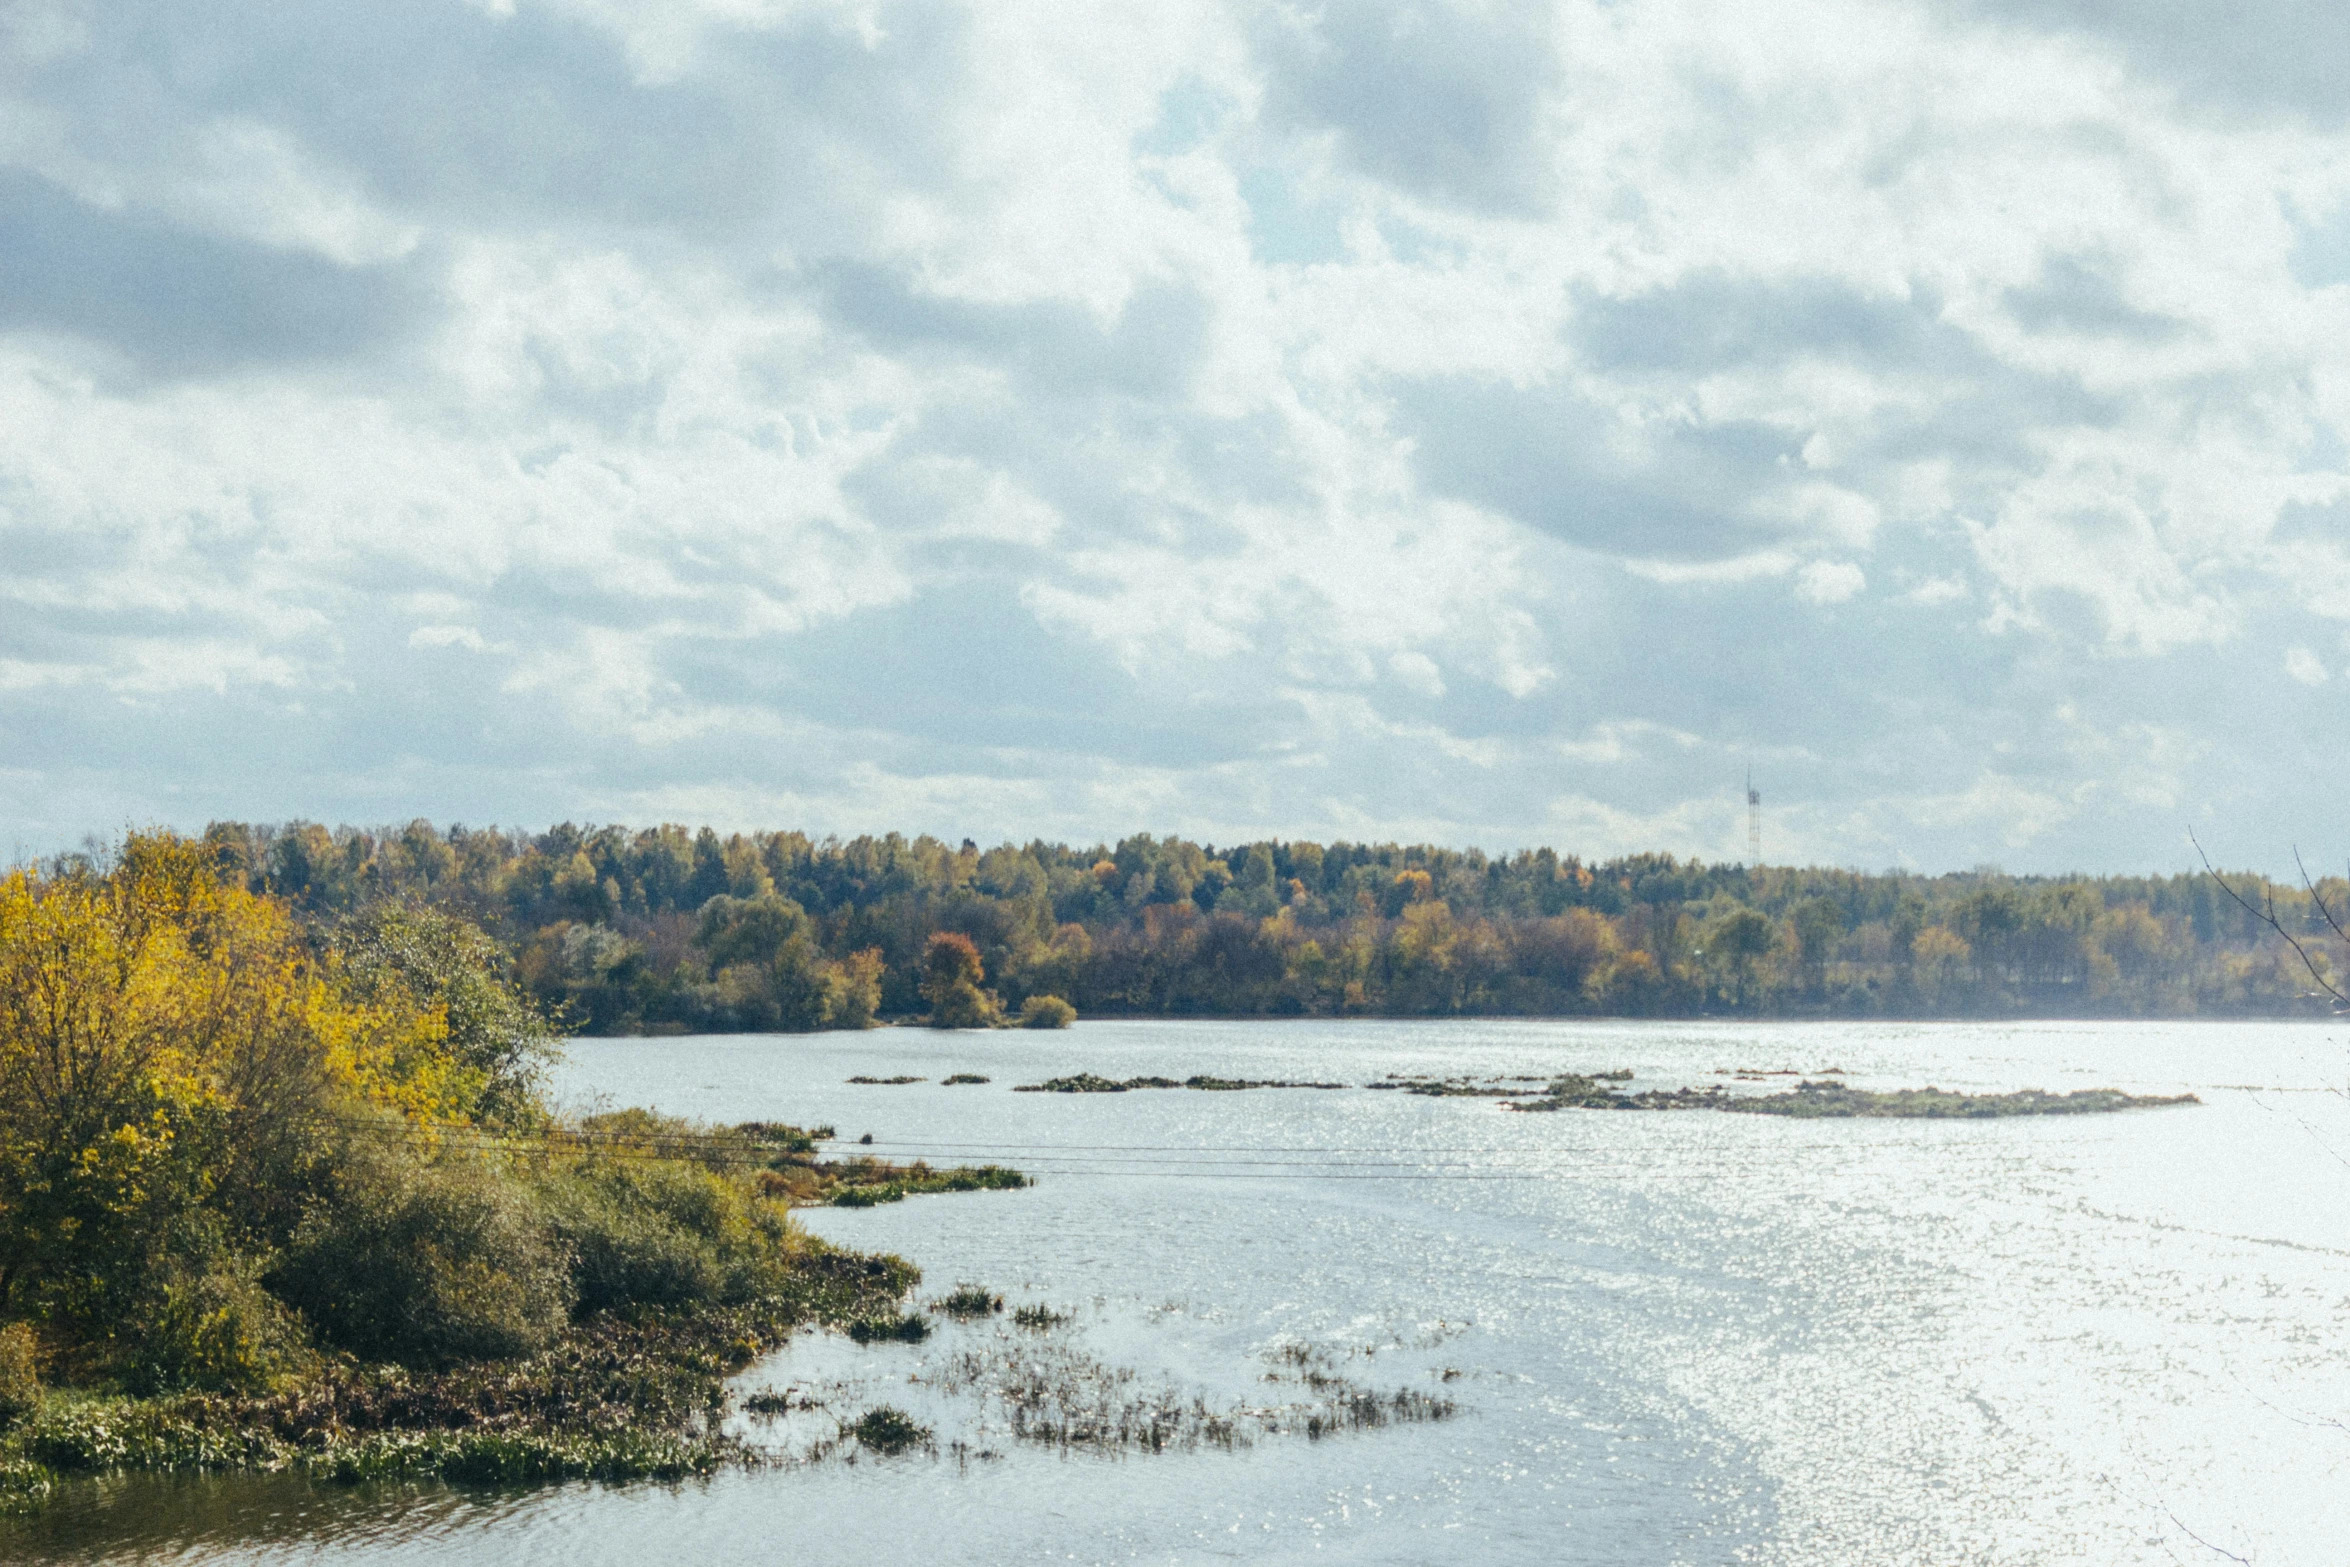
(157,984)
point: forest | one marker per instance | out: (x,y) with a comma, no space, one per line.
(674,929)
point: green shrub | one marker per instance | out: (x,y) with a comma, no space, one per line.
(217,1331)
(427,1262)
(657,1233)
(1046,1012)
(20,1372)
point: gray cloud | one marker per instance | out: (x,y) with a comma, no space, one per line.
(1441,100)
(176,302)
(2260,56)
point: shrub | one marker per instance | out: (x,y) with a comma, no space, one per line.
(426,1262)
(1046,1012)
(20,1372)
(216,1331)
(661,1233)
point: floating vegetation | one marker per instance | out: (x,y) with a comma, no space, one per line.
(888,1082)
(969,1300)
(891,1328)
(1088,1083)
(1466,1087)
(1815,1099)
(885,1429)
(868,1183)
(1040,1318)
(965,1077)
(769,1404)
(25,1485)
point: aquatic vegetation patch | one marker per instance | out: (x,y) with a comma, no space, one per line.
(892,1328)
(886,1429)
(1468,1087)
(888,1082)
(965,1077)
(970,1300)
(25,1485)
(1040,1318)
(1088,1083)
(1816,1099)
(1054,1394)
(869,1183)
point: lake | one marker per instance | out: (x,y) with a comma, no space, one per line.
(1671,1338)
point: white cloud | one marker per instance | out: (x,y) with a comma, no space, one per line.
(1829,581)
(2305,666)
(1217,416)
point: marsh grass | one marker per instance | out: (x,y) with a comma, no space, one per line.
(1057,1395)
(970,1300)
(888,1082)
(965,1077)
(1040,1318)
(886,1429)
(892,1328)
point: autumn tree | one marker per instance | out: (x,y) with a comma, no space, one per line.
(951,975)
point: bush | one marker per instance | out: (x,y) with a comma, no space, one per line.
(217,1331)
(426,1263)
(658,1233)
(20,1372)
(1046,1012)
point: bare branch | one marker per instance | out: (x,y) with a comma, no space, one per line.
(2316,899)
(2199,1540)
(2268,916)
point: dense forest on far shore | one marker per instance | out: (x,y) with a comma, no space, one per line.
(673,929)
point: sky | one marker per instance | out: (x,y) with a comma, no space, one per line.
(1487,424)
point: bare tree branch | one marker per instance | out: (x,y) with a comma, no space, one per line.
(2316,899)
(2198,1539)
(2267,915)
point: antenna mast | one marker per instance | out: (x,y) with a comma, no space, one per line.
(1753,820)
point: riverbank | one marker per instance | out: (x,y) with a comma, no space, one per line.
(624,1393)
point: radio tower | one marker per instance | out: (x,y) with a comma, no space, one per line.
(1753,820)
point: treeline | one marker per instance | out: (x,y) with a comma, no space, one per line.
(672,929)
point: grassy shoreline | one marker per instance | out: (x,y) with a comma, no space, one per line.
(626,1393)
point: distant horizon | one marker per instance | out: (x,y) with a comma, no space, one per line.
(2288,875)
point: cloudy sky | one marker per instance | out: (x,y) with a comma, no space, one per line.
(1486,423)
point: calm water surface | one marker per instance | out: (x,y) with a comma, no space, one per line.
(1675,1338)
